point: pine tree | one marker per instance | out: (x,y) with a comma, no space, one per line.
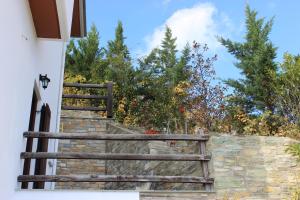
(159,74)
(182,69)
(120,71)
(118,57)
(168,50)
(256,90)
(86,58)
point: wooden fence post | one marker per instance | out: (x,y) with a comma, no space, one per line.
(204,164)
(109,102)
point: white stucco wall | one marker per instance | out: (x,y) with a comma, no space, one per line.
(22,58)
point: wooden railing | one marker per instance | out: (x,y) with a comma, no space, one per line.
(108,98)
(202,157)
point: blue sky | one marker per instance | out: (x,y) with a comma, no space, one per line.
(144,22)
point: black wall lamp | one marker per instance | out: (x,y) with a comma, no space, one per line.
(45,80)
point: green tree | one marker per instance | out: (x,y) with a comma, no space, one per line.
(255,92)
(121,72)
(84,57)
(158,75)
(289,90)
(167,55)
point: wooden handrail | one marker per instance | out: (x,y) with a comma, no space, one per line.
(115,156)
(114,178)
(85,85)
(79,96)
(123,137)
(108,98)
(83,108)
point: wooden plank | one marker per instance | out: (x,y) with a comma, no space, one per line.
(204,164)
(42,145)
(79,96)
(114,178)
(113,156)
(204,137)
(122,137)
(85,85)
(29,142)
(109,102)
(83,108)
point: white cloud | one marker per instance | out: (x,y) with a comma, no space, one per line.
(200,23)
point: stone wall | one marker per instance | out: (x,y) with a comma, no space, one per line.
(159,168)
(81,122)
(244,167)
(253,167)
(249,167)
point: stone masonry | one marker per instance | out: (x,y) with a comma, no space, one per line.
(81,122)
(253,167)
(159,168)
(244,167)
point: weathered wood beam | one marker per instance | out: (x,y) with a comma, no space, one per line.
(79,96)
(85,85)
(133,137)
(83,108)
(113,156)
(204,164)
(114,178)
(204,137)
(109,102)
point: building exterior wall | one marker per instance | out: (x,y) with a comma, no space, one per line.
(23,57)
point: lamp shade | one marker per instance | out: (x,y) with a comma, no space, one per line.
(44,80)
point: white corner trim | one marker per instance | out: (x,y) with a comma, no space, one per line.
(81,15)
(62,18)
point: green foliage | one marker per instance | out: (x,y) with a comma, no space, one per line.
(70,90)
(294,149)
(159,74)
(255,93)
(256,61)
(85,58)
(296,194)
(121,72)
(288,92)
(168,51)
(170,87)
(166,89)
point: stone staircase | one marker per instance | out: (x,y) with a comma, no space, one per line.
(81,122)
(245,168)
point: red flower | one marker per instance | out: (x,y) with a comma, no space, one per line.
(151,132)
(181,109)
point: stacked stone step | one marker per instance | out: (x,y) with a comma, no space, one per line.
(81,122)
